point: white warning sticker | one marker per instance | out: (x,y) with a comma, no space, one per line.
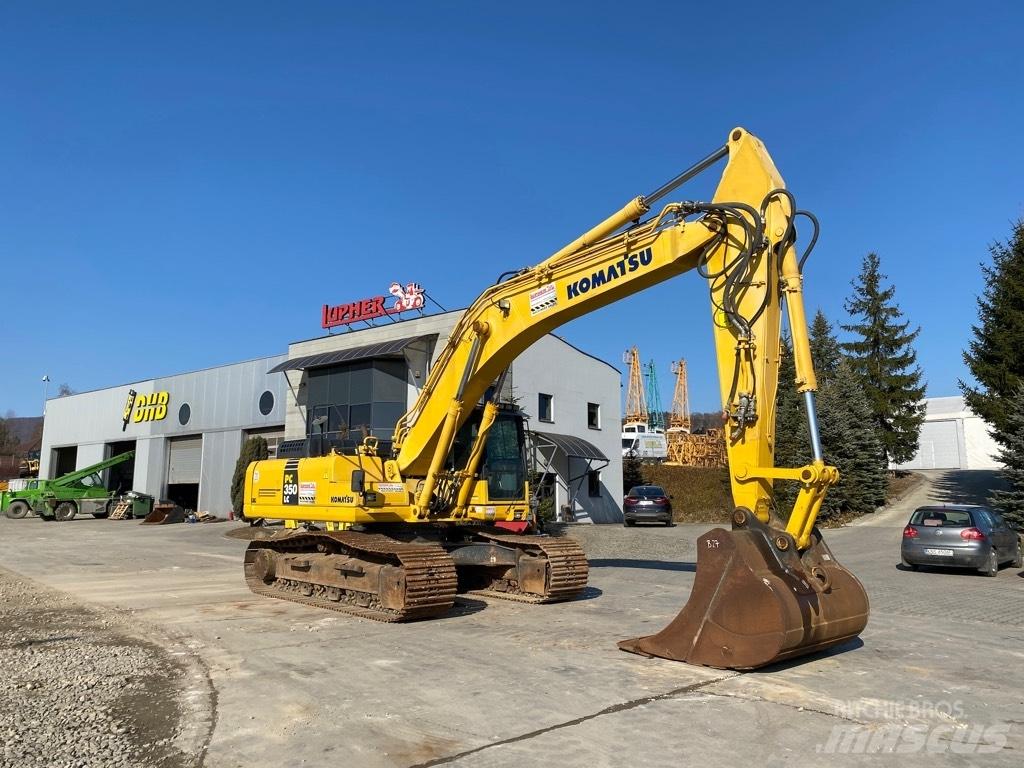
(390,487)
(543,298)
(307,493)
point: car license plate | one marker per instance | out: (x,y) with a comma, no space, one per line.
(946,552)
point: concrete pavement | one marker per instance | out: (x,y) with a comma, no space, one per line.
(937,675)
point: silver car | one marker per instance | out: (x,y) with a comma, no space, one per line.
(960,536)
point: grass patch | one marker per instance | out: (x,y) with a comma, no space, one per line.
(700,495)
(900,483)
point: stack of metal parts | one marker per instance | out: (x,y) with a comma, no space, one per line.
(702,450)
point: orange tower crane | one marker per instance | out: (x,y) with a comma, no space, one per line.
(679,419)
(636,400)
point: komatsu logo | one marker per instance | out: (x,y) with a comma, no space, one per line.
(612,272)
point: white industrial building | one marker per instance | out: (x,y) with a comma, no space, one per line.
(953,437)
(187,430)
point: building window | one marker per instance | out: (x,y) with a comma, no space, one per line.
(594,483)
(593,415)
(347,402)
(266,402)
(545,407)
(184,414)
(274,438)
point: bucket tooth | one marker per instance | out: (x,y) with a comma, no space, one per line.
(756,600)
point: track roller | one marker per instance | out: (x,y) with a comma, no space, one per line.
(368,575)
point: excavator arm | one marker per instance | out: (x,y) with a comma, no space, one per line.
(742,242)
(768,589)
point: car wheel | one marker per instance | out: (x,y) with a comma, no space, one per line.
(65,511)
(628,523)
(911,566)
(1018,558)
(17,509)
(992,566)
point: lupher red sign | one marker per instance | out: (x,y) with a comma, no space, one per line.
(409,297)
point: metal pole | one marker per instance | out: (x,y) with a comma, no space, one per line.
(46,391)
(688,174)
(812,423)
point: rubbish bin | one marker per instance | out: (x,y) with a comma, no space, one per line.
(142,504)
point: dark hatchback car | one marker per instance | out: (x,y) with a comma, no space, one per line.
(960,536)
(647,504)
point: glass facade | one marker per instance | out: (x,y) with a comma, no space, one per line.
(349,401)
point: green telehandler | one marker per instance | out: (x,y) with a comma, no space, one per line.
(66,496)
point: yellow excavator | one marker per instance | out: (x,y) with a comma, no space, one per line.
(394,533)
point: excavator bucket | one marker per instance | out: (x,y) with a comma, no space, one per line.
(757,600)
(165,514)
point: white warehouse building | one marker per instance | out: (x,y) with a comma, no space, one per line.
(953,437)
(187,430)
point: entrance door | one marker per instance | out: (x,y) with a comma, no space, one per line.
(64,460)
(121,477)
(938,447)
(184,463)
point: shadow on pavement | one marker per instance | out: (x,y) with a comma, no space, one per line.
(464,606)
(850,645)
(939,569)
(967,486)
(658,565)
(950,571)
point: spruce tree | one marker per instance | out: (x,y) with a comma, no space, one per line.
(253,449)
(826,354)
(792,440)
(847,433)
(1011,503)
(849,443)
(883,358)
(995,356)
(632,473)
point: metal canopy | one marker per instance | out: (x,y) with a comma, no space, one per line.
(380,349)
(576,447)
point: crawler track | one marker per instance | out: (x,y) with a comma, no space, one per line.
(429,573)
(567,569)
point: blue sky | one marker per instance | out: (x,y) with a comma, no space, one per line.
(183,185)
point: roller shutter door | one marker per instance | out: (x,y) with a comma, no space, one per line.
(939,447)
(186,460)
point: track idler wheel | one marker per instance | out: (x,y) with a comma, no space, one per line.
(757,600)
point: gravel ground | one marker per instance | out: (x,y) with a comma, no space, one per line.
(80,688)
(641,543)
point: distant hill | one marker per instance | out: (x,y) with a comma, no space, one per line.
(28,430)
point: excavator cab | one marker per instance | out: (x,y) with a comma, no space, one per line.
(503,464)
